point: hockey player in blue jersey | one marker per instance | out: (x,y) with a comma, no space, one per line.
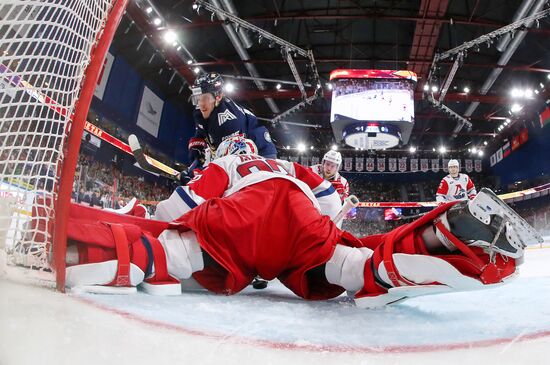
(217,118)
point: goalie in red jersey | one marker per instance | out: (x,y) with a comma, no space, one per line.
(245,215)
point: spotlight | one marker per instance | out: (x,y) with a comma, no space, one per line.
(149,10)
(516,108)
(480,153)
(229,87)
(485,143)
(426,87)
(433,149)
(189,62)
(412,149)
(334,147)
(311,148)
(278,86)
(195,6)
(434,89)
(466,89)
(196,70)
(301,147)
(474,150)
(528,93)
(469,150)
(170,36)
(548,76)
(516,93)
(287,147)
(157,21)
(442,149)
(329,86)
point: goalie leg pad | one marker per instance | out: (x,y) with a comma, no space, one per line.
(345,267)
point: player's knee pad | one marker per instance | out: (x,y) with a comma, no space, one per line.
(183,253)
(171,208)
(345,267)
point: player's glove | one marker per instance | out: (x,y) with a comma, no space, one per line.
(196,148)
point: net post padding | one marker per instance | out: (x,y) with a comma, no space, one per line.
(72,145)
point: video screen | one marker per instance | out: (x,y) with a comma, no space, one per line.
(380,100)
(392,214)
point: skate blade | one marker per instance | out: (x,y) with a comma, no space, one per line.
(527,234)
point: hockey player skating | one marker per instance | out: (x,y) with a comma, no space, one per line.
(218,118)
(247,215)
(328,170)
(455,186)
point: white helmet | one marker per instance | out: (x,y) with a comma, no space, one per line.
(453,163)
(236,146)
(333,156)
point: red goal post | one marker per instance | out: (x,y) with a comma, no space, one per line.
(51,54)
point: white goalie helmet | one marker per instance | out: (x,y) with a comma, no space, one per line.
(334,157)
(236,146)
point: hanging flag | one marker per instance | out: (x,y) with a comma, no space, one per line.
(468,165)
(506,150)
(493,159)
(314,160)
(515,142)
(381,163)
(499,155)
(392,164)
(424,165)
(524,136)
(435,164)
(403,164)
(348,162)
(445,165)
(359,163)
(544,117)
(370,164)
(414,164)
(478,165)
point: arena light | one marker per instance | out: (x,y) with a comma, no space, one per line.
(189,62)
(433,149)
(469,150)
(149,10)
(334,147)
(528,93)
(516,93)
(157,21)
(466,89)
(301,147)
(516,108)
(195,6)
(426,87)
(196,70)
(480,153)
(287,147)
(485,143)
(170,36)
(474,150)
(434,89)
(442,149)
(278,86)
(412,149)
(548,76)
(311,147)
(229,87)
(329,86)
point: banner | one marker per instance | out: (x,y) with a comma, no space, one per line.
(104,76)
(446,165)
(515,143)
(506,150)
(370,164)
(402,164)
(392,164)
(478,165)
(499,155)
(359,163)
(414,164)
(493,159)
(424,165)
(348,162)
(468,165)
(304,161)
(314,160)
(150,111)
(523,136)
(435,164)
(381,164)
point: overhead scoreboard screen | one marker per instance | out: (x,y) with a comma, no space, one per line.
(372,109)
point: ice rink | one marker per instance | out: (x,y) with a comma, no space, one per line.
(505,325)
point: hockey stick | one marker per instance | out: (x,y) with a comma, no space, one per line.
(142,161)
(349,203)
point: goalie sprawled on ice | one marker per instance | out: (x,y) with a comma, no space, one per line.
(245,215)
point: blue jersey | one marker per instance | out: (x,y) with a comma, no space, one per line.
(229,119)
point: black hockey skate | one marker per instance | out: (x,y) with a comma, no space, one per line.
(487,222)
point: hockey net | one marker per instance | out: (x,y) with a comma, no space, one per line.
(50,55)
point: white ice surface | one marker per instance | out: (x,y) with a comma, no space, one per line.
(510,324)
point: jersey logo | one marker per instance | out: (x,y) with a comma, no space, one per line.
(459,192)
(225,116)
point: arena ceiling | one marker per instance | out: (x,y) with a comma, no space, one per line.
(373,34)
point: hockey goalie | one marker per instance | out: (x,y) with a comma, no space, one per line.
(246,215)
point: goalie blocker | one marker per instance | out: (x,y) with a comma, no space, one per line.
(457,246)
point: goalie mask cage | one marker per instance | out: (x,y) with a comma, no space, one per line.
(51,53)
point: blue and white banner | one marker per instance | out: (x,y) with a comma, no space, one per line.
(150,111)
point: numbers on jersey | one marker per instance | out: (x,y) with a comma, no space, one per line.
(249,167)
